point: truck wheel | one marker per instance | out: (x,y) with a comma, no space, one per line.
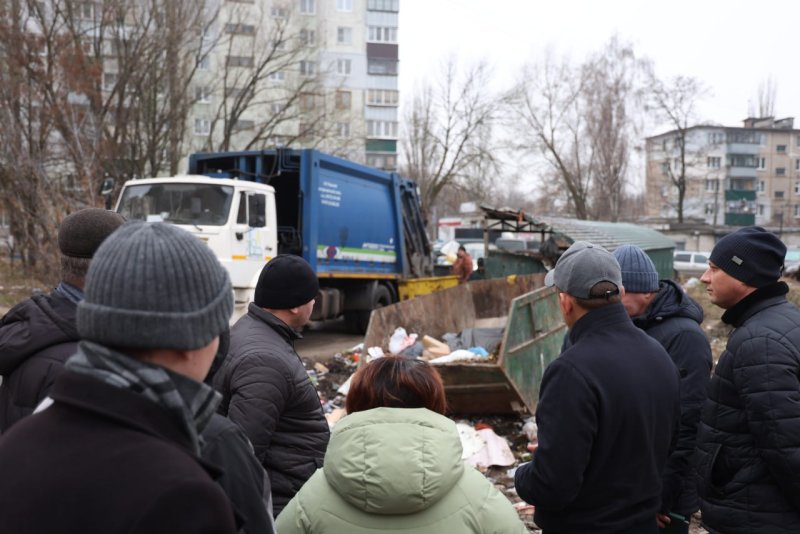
(357,321)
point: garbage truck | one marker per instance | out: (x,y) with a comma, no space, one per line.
(360,229)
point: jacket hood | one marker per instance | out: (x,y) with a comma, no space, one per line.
(394,460)
(33,325)
(671,301)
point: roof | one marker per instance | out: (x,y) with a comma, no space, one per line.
(610,235)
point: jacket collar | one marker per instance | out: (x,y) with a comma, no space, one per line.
(599,319)
(761,298)
(273,322)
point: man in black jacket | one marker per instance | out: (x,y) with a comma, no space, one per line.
(265,386)
(749,438)
(39,334)
(119,448)
(667,314)
(607,413)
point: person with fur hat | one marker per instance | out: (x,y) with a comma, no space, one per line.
(264,384)
(748,443)
(39,334)
(663,310)
(118,450)
(605,431)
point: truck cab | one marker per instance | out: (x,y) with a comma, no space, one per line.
(236,219)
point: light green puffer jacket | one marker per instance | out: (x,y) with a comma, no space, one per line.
(397,470)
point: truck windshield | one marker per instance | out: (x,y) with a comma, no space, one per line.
(195,204)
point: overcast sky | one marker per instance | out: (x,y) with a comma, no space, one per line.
(729,45)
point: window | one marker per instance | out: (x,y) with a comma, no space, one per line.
(344,5)
(240,29)
(308,7)
(344,35)
(798,140)
(382,161)
(383,5)
(382,97)
(307,101)
(305,130)
(796,211)
(781,149)
(237,92)
(664,144)
(797,164)
(343,99)
(761,163)
(343,129)
(252,210)
(240,61)
(797,188)
(202,95)
(308,37)
(716,138)
(279,12)
(308,68)
(86,10)
(277,76)
(202,126)
(708,208)
(110,80)
(382,34)
(343,67)
(276,108)
(244,124)
(665,168)
(778,194)
(382,129)
(761,209)
(761,186)
(712,185)
(386,67)
(780,171)
(683,256)
(713,162)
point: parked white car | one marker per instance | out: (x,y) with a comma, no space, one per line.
(687,263)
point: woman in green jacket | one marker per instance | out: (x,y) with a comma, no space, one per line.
(394,464)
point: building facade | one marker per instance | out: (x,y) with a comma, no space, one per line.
(322,73)
(734,176)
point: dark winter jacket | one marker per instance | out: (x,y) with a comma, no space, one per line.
(104,459)
(749,438)
(267,392)
(608,413)
(244,480)
(36,337)
(673,319)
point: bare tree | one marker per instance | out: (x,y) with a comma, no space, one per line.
(675,100)
(767,91)
(546,110)
(448,132)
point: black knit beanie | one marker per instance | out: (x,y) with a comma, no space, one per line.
(751,255)
(154,285)
(81,233)
(286,281)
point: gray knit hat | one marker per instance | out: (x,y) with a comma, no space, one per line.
(154,285)
(639,274)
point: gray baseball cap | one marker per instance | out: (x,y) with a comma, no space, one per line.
(581,267)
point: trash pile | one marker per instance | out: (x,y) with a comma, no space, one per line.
(471,344)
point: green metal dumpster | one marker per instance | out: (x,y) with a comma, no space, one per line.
(534,331)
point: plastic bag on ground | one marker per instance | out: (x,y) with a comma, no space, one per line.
(401,340)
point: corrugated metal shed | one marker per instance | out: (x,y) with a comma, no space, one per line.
(612,235)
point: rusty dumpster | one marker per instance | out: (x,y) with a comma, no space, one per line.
(532,338)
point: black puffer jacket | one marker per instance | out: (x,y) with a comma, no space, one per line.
(673,319)
(749,437)
(267,392)
(36,337)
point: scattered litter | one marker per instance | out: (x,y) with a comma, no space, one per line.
(312,375)
(414,351)
(471,441)
(530,430)
(401,340)
(495,452)
(357,348)
(344,389)
(320,369)
(335,416)
(479,351)
(374,353)
(457,356)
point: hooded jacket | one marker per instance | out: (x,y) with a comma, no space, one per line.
(37,336)
(749,438)
(673,319)
(267,392)
(397,470)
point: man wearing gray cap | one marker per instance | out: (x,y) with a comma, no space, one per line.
(749,437)
(118,450)
(39,334)
(608,410)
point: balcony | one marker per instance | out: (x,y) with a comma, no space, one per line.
(740,207)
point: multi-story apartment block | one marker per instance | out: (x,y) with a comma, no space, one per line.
(326,71)
(734,176)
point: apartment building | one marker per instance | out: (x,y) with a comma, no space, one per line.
(734,175)
(321,73)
